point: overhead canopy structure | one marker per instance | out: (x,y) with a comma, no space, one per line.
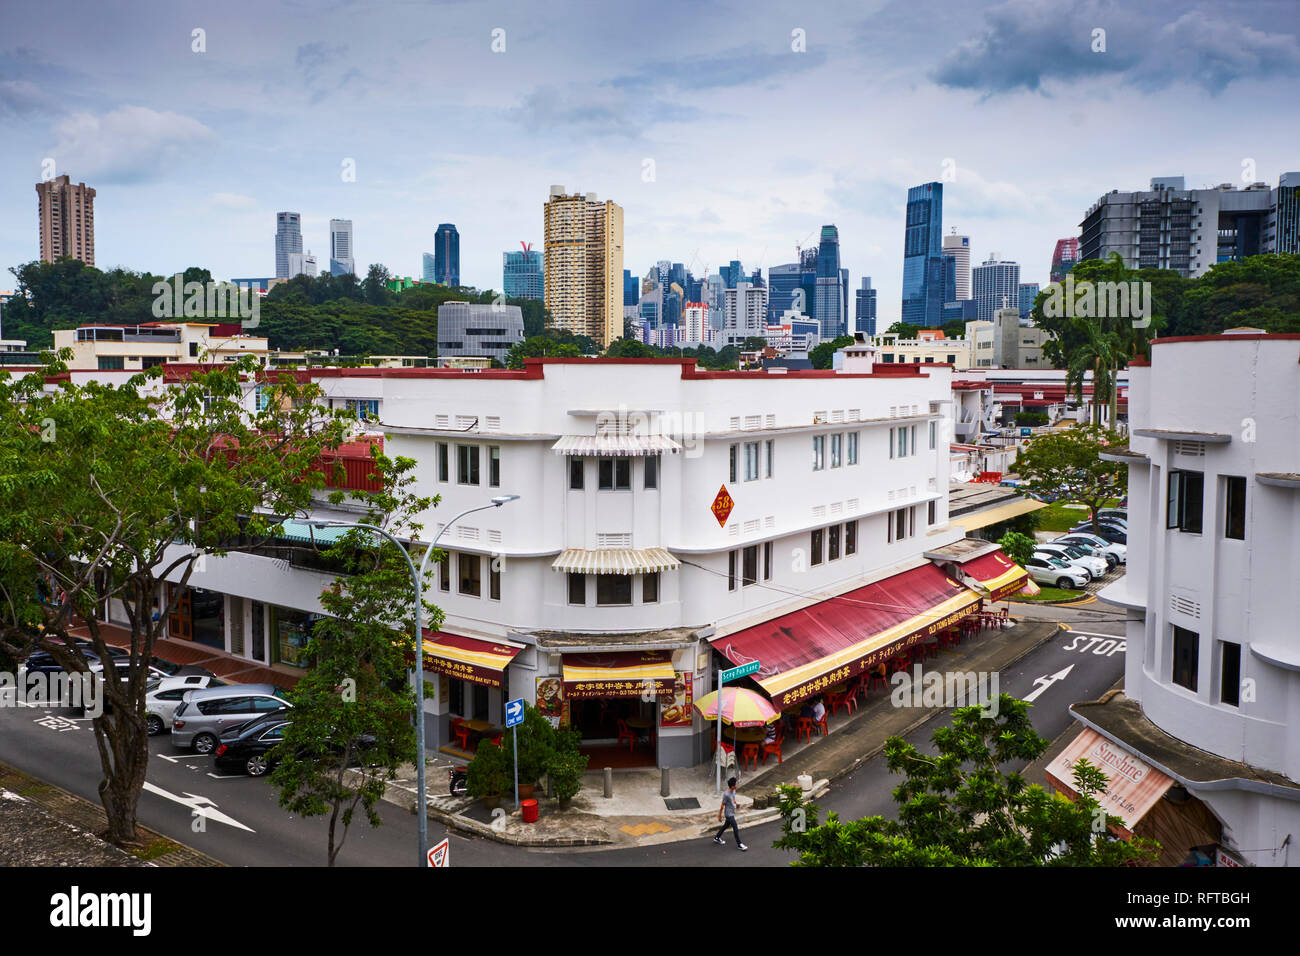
(982,519)
(619,674)
(468,658)
(803,653)
(995,574)
(614,445)
(615,561)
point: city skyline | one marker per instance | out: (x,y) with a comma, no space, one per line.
(144,145)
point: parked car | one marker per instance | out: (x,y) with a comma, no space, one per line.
(1117,551)
(165,697)
(248,747)
(206,713)
(1095,566)
(166,668)
(1055,573)
(1105,529)
(1090,549)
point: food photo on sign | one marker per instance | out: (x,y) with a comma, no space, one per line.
(675,711)
(549,691)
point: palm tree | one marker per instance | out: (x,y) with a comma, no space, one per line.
(1101,355)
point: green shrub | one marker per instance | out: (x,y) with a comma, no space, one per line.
(489,773)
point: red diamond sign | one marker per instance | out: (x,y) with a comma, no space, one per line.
(722,506)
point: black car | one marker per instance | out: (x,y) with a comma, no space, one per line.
(172,669)
(248,747)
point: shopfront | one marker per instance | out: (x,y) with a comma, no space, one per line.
(469,701)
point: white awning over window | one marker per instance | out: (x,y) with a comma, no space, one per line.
(615,561)
(615,445)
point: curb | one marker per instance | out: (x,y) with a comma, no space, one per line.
(458,823)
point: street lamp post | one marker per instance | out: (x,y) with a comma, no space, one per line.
(417,669)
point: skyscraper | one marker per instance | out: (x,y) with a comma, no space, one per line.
(341,259)
(744,312)
(923,256)
(957,248)
(521,273)
(829,304)
(631,288)
(1028,293)
(288,240)
(1284,224)
(997,286)
(446,254)
(782,284)
(864,319)
(583,264)
(1064,257)
(67,220)
(428,270)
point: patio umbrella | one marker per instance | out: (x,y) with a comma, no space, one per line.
(740,707)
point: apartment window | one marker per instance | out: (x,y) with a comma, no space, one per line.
(470,566)
(891,443)
(1185,501)
(933,430)
(615,474)
(575,473)
(850,538)
(902,441)
(833,542)
(494,579)
(767,560)
(818,536)
(911,521)
(650,588)
(900,524)
(467,464)
(613,589)
(1234,519)
(751,460)
(731,570)
(652,471)
(837,442)
(852,450)
(442,461)
(1186,652)
(444,572)
(749,565)
(914,446)
(819,452)
(930,512)
(577,588)
(261,395)
(494,466)
(734,452)
(1230,673)
(771,454)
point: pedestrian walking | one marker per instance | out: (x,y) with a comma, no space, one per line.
(727,815)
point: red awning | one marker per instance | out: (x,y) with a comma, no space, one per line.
(619,674)
(803,653)
(469,658)
(996,573)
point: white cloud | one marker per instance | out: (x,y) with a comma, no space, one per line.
(131,144)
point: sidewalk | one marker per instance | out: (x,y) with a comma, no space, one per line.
(42,825)
(637,814)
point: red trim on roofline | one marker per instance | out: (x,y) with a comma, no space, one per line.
(1228,337)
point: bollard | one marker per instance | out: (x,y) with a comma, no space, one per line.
(664,789)
(609,782)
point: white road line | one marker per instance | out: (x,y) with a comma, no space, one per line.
(1046,682)
(201,806)
(1115,637)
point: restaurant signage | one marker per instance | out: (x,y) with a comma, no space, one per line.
(676,711)
(722,505)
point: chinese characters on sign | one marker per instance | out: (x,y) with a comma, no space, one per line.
(675,711)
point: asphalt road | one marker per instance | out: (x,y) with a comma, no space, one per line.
(239,821)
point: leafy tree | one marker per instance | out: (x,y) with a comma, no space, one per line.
(353,704)
(1068,463)
(539,346)
(110,492)
(961,808)
(1018,547)
(904,330)
(823,354)
(754,343)
(956,329)
(375,285)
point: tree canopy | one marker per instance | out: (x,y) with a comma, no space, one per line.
(1067,462)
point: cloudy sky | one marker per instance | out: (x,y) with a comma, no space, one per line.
(732,130)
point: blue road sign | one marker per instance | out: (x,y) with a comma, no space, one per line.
(514,712)
(744,670)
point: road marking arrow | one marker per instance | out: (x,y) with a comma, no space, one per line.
(200,805)
(1046,682)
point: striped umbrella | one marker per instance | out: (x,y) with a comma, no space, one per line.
(740,707)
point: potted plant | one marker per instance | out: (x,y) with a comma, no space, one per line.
(488,774)
(566,766)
